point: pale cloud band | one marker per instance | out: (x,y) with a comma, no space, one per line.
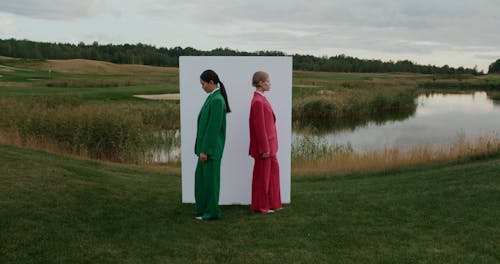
(419,30)
(55,9)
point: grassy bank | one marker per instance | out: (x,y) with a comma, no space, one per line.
(463,83)
(312,156)
(328,99)
(56,209)
(325,100)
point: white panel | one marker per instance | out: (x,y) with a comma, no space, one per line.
(236,74)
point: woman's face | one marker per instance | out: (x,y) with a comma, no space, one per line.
(265,85)
(206,86)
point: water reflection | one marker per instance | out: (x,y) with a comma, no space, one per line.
(325,126)
(494,96)
(166,147)
(439,119)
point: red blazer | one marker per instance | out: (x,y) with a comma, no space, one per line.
(263,136)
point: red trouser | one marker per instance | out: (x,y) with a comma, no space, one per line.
(266,185)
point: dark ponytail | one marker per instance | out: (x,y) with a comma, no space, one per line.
(224,94)
(210,75)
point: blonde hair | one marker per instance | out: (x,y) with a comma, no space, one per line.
(258,77)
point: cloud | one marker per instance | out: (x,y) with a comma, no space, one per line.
(390,25)
(491,57)
(7,27)
(55,9)
(404,28)
(101,38)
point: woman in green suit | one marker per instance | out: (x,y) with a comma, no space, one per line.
(209,146)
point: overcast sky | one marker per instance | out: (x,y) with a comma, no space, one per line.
(454,32)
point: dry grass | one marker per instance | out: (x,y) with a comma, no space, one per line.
(16,84)
(159,96)
(82,66)
(37,143)
(52,146)
(80,73)
(390,158)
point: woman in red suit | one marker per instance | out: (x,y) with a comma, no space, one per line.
(266,196)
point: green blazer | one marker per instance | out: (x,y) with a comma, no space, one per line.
(211,131)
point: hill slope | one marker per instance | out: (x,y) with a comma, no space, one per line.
(60,209)
(83,66)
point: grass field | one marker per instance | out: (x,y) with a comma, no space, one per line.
(56,209)
(61,209)
(88,80)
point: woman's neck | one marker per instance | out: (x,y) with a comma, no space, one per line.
(213,89)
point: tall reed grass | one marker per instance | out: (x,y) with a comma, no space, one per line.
(335,159)
(494,95)
(330,108)
(121,132)
(309,148)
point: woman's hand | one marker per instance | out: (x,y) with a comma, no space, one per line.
(203,157)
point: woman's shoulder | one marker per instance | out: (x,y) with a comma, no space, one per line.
(256,100)
(217,99)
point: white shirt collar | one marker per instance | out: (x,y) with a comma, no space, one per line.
(261,93)
(214,90)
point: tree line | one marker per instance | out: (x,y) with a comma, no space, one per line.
(151,55)
(494,67)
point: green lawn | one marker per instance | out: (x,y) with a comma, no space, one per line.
(89,87)
(124,93)
(57,209)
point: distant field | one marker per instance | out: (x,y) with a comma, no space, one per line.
(83,74)
(90,80)
(81,66)
(75,97)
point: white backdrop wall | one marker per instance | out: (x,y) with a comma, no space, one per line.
(236,74)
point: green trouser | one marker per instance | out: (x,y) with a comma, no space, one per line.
(206,189)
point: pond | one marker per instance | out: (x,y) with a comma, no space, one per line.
(168,150)
(439,119)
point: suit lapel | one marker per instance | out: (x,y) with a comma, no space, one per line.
(266,103)
(205,104)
